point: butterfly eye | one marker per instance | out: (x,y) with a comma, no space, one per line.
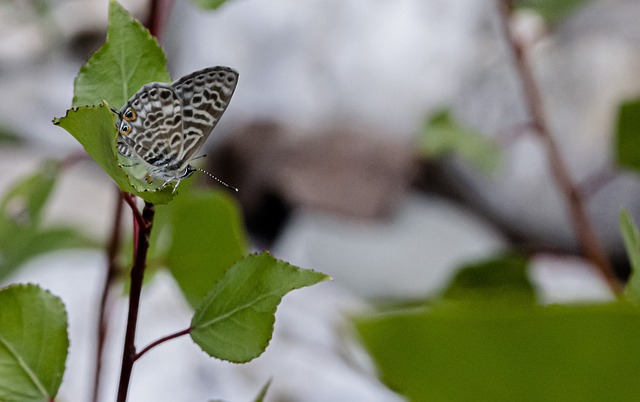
(129,114)
(125,128)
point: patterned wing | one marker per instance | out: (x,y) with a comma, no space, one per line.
(150,126)
(205,95)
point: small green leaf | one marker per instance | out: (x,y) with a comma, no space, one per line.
(632,244)
(235,320)
(207,238)
(554,353)
(209,4)
(552,10)
(628,135)
(129,58)
(33,344)
(500,279)
(94,128)
(441,136)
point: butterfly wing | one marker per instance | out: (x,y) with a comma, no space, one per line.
(205,96)
(150,127)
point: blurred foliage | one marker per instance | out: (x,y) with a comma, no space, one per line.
(209,4)
(503,277)
(627,146)
(34,344)
(552,11)
(207,237)
(498,345)
(22,235)
(8,136)
(631,239)
(441,135)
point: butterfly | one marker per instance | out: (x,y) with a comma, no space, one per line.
(163,126)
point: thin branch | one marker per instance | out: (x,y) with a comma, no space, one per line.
(112,271)
(162,340)
(142,231)
(130,199)
(583,228)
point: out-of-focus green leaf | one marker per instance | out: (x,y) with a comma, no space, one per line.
(207,238)
(441,136)
(235,320)
(94,128)
(552,10)
(209,4)
(628,135)
(33,344)
(632,244)
(464,353)
(8,136)
(263,392)
(499,279)
(21,235)
(129,58)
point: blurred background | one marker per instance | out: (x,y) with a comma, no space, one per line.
(324,138)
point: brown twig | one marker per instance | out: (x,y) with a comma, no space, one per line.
(583,228)
(162,340)
(112,271)
(142,233)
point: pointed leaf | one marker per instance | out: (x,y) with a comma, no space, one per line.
(235,320)
(207,238)
(129,58)
(632,244)
(33,344)
(94,128)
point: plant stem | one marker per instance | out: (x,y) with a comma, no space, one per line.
(112,270)
(162,340)
(583,228)
(158,15)
(142,231)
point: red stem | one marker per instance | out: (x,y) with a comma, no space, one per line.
(583,228)
(112,271)
(162,340)
(143,232)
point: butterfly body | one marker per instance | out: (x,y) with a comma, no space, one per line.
(163,126)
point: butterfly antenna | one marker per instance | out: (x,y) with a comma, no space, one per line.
(218,180)
(115,111)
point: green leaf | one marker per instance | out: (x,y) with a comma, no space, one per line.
(263,392)
(501,279)
(552,10)
(129,58)
(207,238)
(555,353)
(94,128)
(235,320)
(628,135)
(441,136)
(21,236)
(209,4)
(33,344)
(632,244)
